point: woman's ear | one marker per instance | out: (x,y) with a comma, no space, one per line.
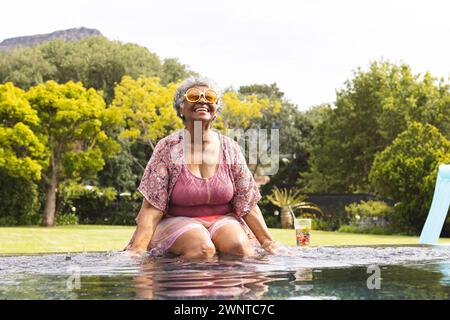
(181,109)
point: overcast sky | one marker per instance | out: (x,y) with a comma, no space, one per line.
(309,48)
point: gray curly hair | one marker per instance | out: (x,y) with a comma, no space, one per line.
(190,82)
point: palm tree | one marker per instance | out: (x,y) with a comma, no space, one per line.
(287,201)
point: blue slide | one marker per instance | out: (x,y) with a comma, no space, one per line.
(439,207)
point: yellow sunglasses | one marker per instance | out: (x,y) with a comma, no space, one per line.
(194,95)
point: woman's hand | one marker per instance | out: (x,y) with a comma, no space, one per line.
(147,220)
(274,247)
(134,253)
(257,225)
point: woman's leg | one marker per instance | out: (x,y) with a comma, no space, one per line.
(194,244)
(230,238)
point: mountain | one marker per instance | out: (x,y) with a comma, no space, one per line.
(69,34)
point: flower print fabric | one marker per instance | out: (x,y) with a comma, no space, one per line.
(164,168)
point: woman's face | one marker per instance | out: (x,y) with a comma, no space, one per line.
(200,110)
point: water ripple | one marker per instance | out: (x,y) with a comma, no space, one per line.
(302,273)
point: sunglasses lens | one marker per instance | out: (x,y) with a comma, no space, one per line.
(193,95)
(210,96)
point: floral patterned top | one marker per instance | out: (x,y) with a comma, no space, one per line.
(164,168)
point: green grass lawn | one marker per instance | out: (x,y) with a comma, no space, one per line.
(14,240)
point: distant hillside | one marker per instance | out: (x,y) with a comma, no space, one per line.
(69,34)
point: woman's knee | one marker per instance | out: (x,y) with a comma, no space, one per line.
(200,250)
(239,248)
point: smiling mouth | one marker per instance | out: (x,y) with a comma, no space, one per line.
(201,109)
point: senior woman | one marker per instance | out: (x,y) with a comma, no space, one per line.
(197,208)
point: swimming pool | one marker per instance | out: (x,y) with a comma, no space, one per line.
(381,272)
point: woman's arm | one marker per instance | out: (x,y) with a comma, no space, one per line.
(256,223)
(147,220)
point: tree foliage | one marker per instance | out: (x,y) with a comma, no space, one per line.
(245,111)
(71,129)
(173,71)
(406,171)
(95,61)
(372,109)
(295,130)
(19,203)
(25,67)
(21,152)
(145,110)
(270,91)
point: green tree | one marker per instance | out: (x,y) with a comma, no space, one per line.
(294,130)
(95,61)
(19,203)
(145,109)
(276,113)
(98,62)
(245,111)
(406,171)
(71,119)
(123,170)
(270,91)
(317,114)
(25,67)
(308,181)
(173,71)
(372,109)
(143,112)
(262,106)
(22,154)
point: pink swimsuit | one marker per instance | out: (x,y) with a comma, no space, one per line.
(204,198)
(192,202)
(194,199)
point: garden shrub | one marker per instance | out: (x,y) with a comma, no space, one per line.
(19,204)
(66,219)
(367,214)
(268,209)
(366,230)
(406,171)
(95,205)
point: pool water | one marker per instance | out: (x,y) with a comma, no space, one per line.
(382,272)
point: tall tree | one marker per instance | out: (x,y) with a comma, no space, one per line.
(245,111)
(143,112)
(25,67)
(270,91)
(71,119)
(294,129)
(98,62)
(173,71)
(95,61)
(372,109)
(22,154)
(406,171)
(146,110)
